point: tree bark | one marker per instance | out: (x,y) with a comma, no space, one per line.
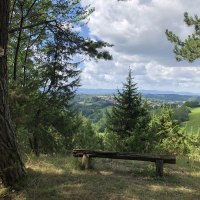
(11,165)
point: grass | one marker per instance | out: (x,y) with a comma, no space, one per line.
(58,177)
(193,125)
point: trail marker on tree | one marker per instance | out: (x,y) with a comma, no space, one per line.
(1,52)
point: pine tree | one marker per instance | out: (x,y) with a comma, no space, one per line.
(189,49)
(43,58)
(129,114)
(31,26)
(11,165)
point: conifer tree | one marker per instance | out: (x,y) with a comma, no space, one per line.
(11,165)
(45,49)
(129,115)
(32,26)
(189,49)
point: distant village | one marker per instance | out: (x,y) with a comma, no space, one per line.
(153,103)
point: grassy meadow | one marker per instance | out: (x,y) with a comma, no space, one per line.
(193,125)
(59,177)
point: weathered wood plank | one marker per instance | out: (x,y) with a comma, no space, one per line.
(158,159)
(125,156)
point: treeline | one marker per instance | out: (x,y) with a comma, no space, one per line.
(172,97)
(44,75)
(91,106)
(94,108)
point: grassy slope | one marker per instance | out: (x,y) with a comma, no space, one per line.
(55,178)
(193,125)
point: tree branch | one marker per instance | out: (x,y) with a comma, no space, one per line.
(35,1)
(30,26)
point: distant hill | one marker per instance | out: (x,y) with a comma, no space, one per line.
(114,91)
(171,97)
(168,92)
(150,94)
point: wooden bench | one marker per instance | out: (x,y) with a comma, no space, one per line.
(159,160)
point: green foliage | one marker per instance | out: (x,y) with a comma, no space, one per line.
(181,114)
(23,137)
(110,141)
(194,146)
(189,49)
(192,104)
(167,134)
(51,140)
(41,58)
(92,107)
(85,138)
(128,118)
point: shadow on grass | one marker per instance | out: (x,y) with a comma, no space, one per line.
(109,181)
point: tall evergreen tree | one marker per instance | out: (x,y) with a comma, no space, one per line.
(44,48)
(129,114)
(33,25)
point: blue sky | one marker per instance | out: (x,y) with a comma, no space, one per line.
(136,28)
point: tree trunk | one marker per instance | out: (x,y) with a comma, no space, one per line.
(34,141)
(11,165)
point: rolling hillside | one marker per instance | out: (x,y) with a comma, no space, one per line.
(193,125)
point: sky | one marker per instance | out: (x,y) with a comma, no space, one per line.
(136,28)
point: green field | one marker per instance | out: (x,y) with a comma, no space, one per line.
(57,177)
(193,125)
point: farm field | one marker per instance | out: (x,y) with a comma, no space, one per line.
(58,177)
(193,125)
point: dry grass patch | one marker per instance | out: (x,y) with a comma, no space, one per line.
(58,177)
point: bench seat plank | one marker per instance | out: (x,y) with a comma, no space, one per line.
(126,156)
(159,160)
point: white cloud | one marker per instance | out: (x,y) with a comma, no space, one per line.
(137,29)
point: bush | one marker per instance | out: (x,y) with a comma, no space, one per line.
(109,140)
(181,114)
(168,135)
(194,146)
(85,138)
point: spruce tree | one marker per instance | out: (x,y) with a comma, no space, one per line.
(129,115)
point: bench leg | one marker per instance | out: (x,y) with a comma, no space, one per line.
(159,168)
(86,161)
